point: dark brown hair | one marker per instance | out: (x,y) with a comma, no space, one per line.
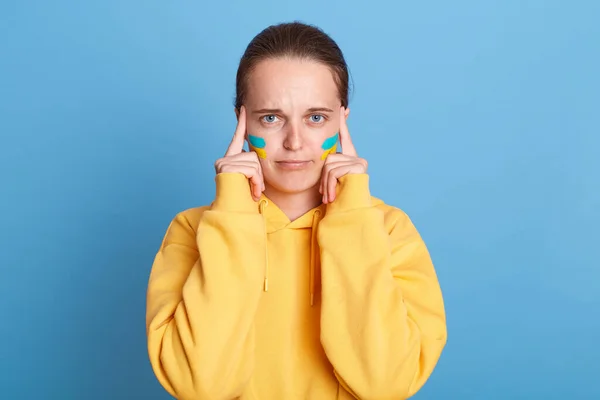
(294,40)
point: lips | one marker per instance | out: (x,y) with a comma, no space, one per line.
(293,164)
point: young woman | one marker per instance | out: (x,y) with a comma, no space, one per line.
(294,283)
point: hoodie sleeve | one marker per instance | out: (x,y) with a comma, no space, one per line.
(202,295)
(383,323)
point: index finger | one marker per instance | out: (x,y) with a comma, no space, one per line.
(237,142)
(347,145)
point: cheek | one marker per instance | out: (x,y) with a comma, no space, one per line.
(329,146)
(258,144)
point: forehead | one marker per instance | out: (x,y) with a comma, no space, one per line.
(287,83)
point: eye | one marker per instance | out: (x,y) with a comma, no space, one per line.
(317,118)
(269,119)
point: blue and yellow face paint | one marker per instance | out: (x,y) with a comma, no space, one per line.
(330,146)
(257,144)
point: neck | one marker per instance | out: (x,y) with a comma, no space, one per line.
(294,205)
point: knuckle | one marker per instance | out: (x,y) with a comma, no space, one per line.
(218,165)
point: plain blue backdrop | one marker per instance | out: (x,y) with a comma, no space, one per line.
(480,119)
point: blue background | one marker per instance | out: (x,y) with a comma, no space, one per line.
(480,119)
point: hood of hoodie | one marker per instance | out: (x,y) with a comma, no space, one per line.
(275,219)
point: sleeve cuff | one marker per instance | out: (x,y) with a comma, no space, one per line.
(233,194)
(352,192)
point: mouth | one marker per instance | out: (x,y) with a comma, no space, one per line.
(292,164)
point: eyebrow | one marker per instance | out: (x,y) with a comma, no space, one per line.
(279,111)
(320,109)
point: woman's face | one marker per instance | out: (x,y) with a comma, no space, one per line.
(293,117)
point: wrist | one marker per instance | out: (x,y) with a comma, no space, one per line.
(233,194)
(352,192)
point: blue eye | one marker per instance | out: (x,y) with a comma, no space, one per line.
(269,119)
(316,118)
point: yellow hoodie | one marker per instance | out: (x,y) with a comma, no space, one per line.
(341,303)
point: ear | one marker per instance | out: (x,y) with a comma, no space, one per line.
(346,113)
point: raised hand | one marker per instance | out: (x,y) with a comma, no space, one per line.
(340,164)
(237,160)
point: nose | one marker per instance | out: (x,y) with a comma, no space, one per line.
(293,138)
